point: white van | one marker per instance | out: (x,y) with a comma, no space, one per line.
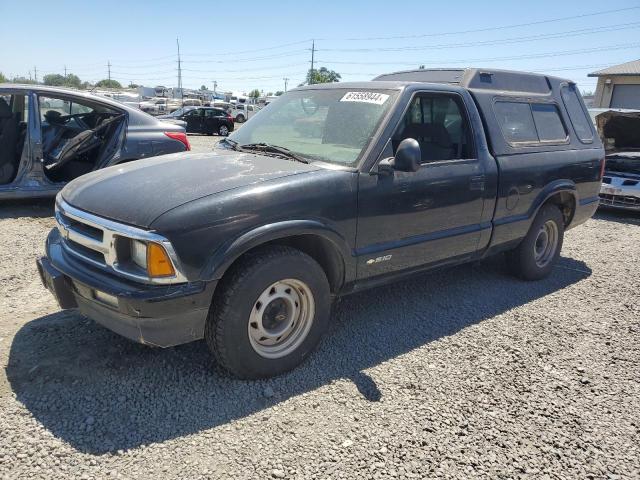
(242,113)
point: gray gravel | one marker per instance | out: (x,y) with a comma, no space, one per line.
(463,374)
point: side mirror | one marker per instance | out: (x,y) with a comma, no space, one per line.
(408,158)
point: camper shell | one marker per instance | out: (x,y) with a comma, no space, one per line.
(490,86)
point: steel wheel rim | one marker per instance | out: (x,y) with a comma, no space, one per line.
(281,318)
(223,130)
(546,244)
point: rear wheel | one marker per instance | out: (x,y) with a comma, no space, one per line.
(536,255)
(268,313)
(239,118)
(223,130)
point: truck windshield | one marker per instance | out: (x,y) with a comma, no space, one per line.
(331,125)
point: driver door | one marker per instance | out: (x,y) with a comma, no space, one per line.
(432,216)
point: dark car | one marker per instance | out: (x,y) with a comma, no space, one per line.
(208,120)
(331,189)
(49,136)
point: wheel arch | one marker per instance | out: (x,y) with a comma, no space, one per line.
(561,193)
(317,240)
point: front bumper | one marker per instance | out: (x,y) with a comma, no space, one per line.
(161,315)
(619,192)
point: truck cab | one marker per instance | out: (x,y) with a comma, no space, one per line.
(332,189)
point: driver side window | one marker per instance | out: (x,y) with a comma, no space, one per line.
(439,123)
(51,109)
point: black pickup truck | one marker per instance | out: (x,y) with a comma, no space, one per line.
(328,190)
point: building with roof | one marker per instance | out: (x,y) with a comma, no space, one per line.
(618,86)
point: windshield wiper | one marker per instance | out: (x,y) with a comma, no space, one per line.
(268,147)
(232,143)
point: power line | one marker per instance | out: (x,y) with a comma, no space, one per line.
(528,38)
(253,59)
(253,69)
(247,51)
(488,29)
(515,57)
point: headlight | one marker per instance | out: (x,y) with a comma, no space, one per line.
(139,253)
(153,258)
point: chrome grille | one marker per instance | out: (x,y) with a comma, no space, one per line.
(619,200)
(99,241)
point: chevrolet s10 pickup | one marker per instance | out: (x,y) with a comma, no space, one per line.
(328,190)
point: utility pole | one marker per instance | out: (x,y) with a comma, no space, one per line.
(35,74)
(286,81)
(215,85)
(65,71)
(180,73)
(313,51)
(109,70)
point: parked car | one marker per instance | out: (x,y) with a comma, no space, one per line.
(190,102)
(226,106)
(243,112)
(207,120)
(51,135)
(175,116)
(620,133)
(332,189)
(155,106)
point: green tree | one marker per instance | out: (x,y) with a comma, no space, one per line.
(72,80)
(203,87)
(133,85)
(255,93)
(22,80)
(278,93)
(53,79)
(269,94)
(3,79)
(108,84)
(57,80)
(322,75)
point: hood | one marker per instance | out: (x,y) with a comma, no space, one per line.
(619,130)
(137,193)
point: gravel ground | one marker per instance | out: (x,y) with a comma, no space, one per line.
(467,373)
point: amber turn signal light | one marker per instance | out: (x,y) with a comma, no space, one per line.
(158,262)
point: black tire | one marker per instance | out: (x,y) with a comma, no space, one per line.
(223,130)
(526,261)
(240,118)
(228,327)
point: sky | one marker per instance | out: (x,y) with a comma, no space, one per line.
(257,44)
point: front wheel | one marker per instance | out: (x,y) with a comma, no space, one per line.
(536,255)
(239,118)
(223,130)
(269,312)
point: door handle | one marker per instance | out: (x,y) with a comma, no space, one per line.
(477,183)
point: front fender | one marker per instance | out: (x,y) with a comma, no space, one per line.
(230,251)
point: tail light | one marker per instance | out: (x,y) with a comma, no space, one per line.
(229,117)
(181,137)
(602,165)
